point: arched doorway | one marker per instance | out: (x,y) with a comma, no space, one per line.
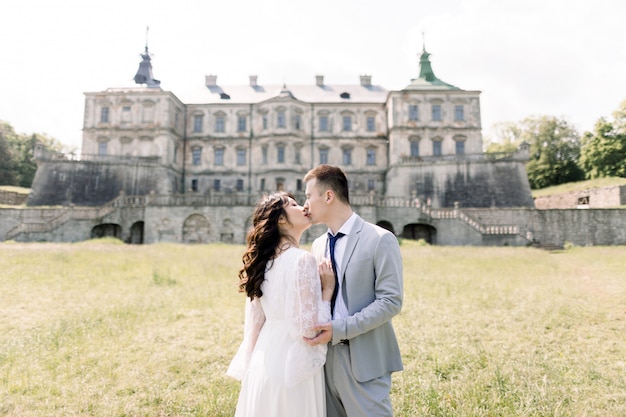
(386,225)
(106,230)
(417,231)
(196,229)
(226,234)
(136,233)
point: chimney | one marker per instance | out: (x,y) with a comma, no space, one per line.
(366,80)
(211,80)
(253,82)
(319,80)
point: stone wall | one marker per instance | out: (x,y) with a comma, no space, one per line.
(94,183)
(470,183)
(229,224)
(604,197)
(12,198)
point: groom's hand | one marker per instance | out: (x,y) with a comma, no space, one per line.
(324,334)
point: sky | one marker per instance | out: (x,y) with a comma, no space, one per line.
(563,58)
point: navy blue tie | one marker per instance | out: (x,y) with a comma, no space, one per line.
(331,248)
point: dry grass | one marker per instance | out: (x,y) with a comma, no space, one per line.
(14,189)
(579,186)
(105,329)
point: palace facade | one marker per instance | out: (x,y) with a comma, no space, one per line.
(188,166)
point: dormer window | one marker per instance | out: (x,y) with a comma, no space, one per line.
(344,95)
(224,96)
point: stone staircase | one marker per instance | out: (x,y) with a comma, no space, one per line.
(69,213)
(483,229)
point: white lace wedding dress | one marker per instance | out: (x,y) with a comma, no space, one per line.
(281,375)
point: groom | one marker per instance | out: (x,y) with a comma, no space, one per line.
(363,350)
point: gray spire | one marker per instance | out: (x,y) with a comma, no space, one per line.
(144,73)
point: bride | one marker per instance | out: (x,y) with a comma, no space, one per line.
(281,375)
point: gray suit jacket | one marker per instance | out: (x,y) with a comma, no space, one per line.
(372,288)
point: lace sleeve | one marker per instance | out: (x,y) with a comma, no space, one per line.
(307,309)
(254,320)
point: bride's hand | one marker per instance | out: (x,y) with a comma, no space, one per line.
(327,277)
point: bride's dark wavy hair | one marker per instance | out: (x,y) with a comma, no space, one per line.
(263,240)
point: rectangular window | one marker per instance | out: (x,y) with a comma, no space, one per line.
(371,124)
(371,157)
(104,115)
(347,123)
(459,115)
(196,155)
(413,113)
(264,154)
(297,156)
(436,112)
(371,184)
(241,124)
(197,123)
(323,123)
(262,185)
(298,184)
(296,122)
(217,185)
(219,156)
(460,147)
(280,158)
(264,121)
(126,114)
(437,148)
(323,156)
(415,148)
(194,184)
(239,184)
(241,157)
(347,156)
(281,119)
(220,124)
(102,148)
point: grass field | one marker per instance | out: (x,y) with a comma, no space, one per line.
(105,329)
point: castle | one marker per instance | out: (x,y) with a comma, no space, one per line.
(158,166)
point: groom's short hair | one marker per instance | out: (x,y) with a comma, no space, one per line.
(330,177)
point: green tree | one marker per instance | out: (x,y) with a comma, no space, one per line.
(17,164)
(7,166)
(554,151)
(506,137)
(603,151)
(554,148)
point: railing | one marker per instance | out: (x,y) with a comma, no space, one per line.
(202,200)
(494,156)
(150,160)
(71,156)
(124,201)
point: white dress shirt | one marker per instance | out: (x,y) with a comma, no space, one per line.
(341,310)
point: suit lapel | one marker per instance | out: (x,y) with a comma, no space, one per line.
(353,239)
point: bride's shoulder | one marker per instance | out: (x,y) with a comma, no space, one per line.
(304,256)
